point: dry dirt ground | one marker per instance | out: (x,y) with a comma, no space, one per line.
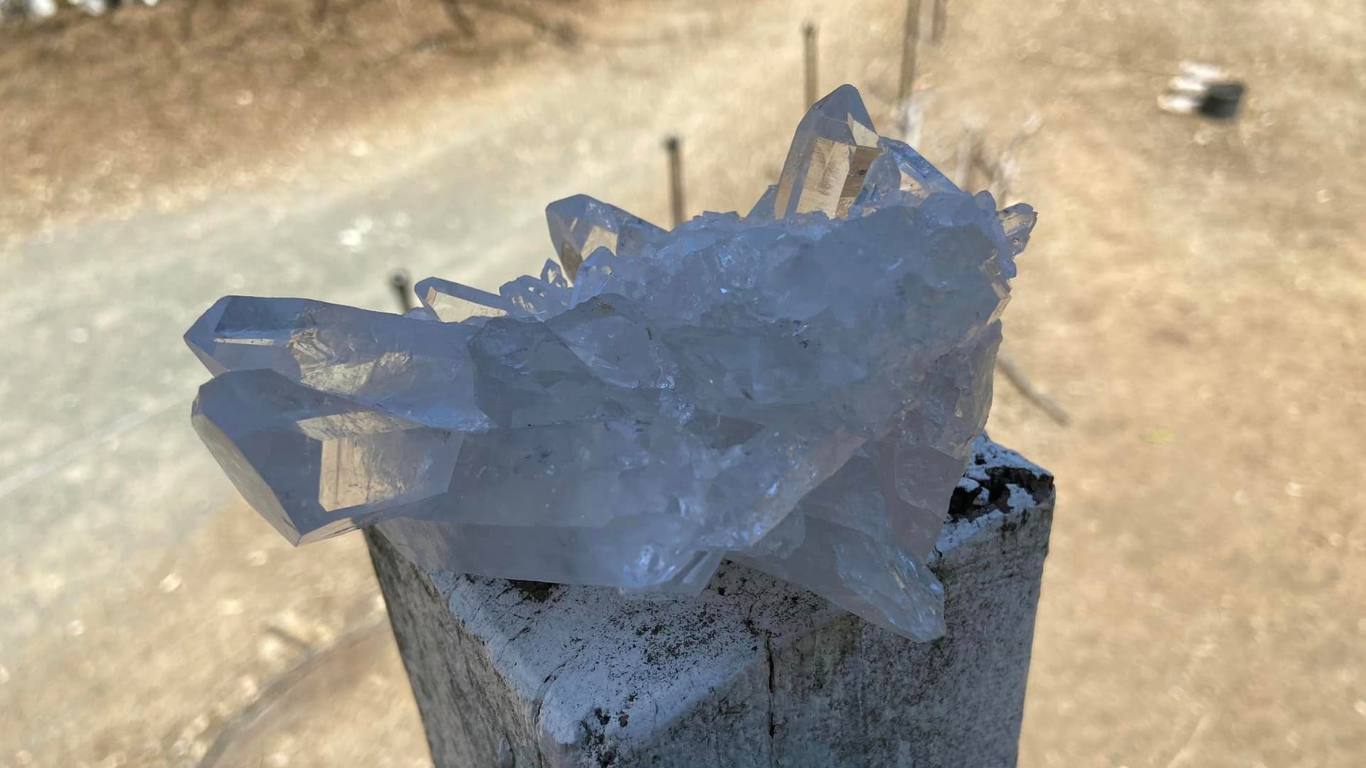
(1193,297)
(153,107)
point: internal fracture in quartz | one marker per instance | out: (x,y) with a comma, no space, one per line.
(796,389)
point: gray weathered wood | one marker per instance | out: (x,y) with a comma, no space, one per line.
(754,672)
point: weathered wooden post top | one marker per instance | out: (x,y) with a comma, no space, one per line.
(715,496)
(753,672)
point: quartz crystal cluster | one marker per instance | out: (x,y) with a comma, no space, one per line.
(796,389)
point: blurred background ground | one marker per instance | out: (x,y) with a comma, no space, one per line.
(1192,296)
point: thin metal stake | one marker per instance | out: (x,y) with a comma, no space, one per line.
(909,44)
(399,282)
(809,44)
(672,145)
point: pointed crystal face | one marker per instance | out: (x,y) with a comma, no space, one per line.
(453,302)
(580,225)
(1018,222)
(829,157)
(763,207)
(408,367)
(901,169)
(314,464)
(849,556)
(797,392)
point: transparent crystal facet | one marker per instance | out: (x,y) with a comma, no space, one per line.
(797,392)
(453,302)
(901,169)
(580,225)
(829,157)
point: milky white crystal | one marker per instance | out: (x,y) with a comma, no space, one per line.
(796,389)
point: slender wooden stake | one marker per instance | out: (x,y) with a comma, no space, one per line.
(399,282)
(809,44)
(671,145)
(968,150)
(937,25)
(1031,393)
(909,44)
(1007,165)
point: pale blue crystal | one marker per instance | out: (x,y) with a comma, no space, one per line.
(798,389)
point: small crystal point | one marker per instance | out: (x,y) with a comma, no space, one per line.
(1018,221)
(580,225)
(453,302)
(901,169)
(763,207)
(829,157)
(239,332)
(200,337)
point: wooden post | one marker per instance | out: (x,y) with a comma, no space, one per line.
(937,24)
(671,145)
(809,48)
(752,673)
(909,45)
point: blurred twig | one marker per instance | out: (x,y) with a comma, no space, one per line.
(1032,393)
(245,718)
(456,12)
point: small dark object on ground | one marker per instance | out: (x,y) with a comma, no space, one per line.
(1222,99)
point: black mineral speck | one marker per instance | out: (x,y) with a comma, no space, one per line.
(534,590)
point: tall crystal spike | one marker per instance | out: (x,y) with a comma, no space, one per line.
(829,157)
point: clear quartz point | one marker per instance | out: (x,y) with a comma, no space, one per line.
(1018,221)
(901,169)
(314,464)
(800,393)
(829,157)
(580,225)
(453,302)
